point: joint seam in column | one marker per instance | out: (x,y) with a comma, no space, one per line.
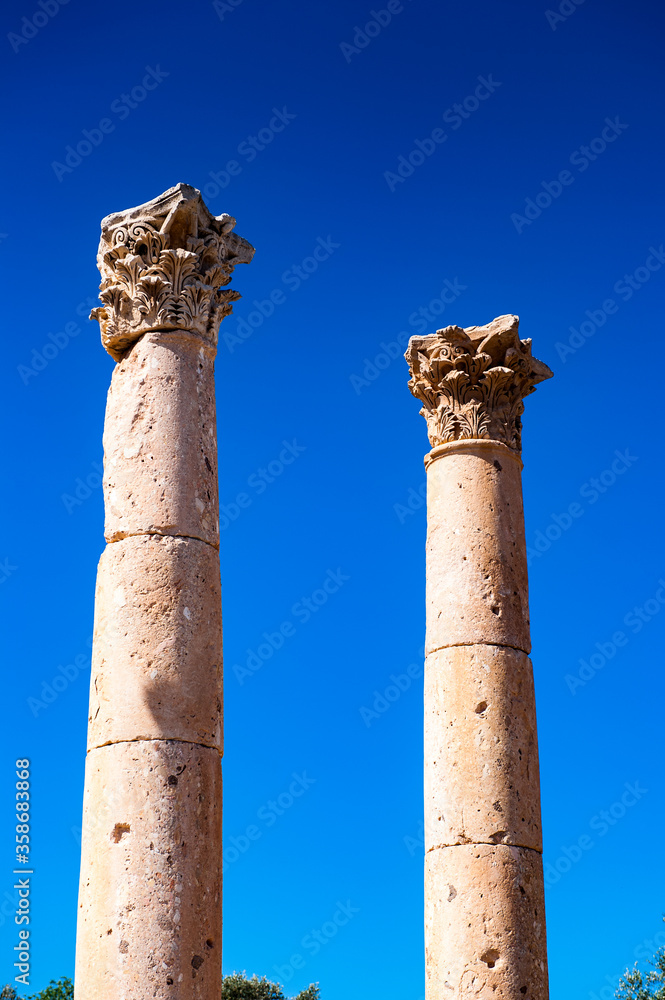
(482,843)
(174,330)
(159,534)
(156,739)
(206,344)
(452,645)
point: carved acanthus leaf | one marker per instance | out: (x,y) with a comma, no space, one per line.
(472,382)
(164,266)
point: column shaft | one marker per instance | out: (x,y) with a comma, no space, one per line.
(150,921)
(485,915)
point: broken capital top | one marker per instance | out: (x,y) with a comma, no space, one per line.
(164,266)
(472,381)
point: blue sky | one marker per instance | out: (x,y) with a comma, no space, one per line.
(543,197)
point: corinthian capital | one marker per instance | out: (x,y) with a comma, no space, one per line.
(164,266)
(472,381)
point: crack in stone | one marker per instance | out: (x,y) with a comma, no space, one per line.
(158,534)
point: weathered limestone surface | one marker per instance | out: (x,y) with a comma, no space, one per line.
(481,780)
(160,441)
(157,651)
(485,924)
(476,549)
(150,895)
(150,921)
(484,909)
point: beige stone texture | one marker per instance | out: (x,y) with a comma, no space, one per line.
(150,908)
(160,440)
(477,589)
(157,651)
(485,924)
(481,751)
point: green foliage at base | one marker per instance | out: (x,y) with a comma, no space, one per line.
(235,987)
(63,989)
(239,987)
(649,985)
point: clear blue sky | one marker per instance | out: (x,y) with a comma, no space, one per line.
(455,236)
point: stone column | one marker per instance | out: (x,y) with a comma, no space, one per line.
(484,901)
(150,918)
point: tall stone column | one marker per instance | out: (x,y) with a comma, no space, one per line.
(150,917)
(484,900)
